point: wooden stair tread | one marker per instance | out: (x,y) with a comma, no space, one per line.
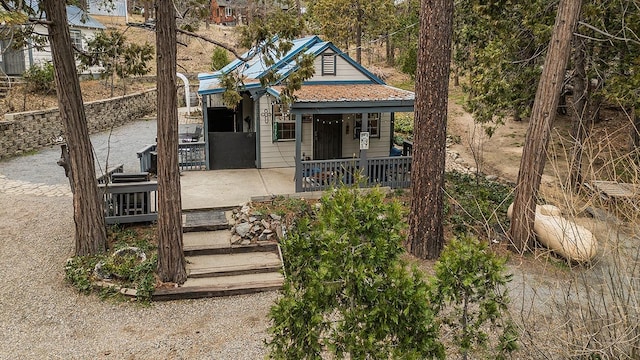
(235,263)
(222,286)
(204,220)
(206,240)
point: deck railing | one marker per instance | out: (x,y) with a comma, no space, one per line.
(146,156)
(191,156)
(407,148)
(391,171)
(130,202)
(106,177)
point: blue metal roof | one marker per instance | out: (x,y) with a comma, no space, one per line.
(257,67)
(76,17)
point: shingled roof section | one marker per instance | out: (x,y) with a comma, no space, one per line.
(349,92)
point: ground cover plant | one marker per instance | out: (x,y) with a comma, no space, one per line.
(107,273)
(475,205)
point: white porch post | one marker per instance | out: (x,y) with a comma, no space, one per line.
(298,170)
(363,152)
(205,119)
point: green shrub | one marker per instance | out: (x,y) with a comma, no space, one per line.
(219,59)
(469,290)
(347,292)
(79,272)
(41,78)
(475,205)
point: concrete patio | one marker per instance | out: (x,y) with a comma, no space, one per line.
(229,188)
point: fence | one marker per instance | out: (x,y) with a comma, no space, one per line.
(191,156)
(394,171)
(106,177)
(130,202)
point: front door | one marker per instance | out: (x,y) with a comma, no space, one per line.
(327,137)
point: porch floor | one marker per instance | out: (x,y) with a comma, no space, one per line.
(229,188)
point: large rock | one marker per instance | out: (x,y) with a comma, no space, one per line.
(243,229)
(564,237)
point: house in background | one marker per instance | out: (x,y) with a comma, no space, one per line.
(108,12)
(228,12)
(340,123)
(15,62)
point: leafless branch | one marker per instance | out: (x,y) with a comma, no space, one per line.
(214,42)
(602,32)
(40,21)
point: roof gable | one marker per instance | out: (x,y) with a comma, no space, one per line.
(257,67)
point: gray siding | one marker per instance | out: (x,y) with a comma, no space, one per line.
(344,71)
(280,153)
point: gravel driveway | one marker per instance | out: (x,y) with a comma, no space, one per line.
(42,317)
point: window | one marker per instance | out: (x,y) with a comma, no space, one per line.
(228,12)
(373,125)
(328,64)
(284,125)
(76,39)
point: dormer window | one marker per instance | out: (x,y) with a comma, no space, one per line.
(328,64)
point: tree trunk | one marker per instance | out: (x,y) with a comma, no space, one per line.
(579,125)
(358,33)
(171,262)
(426,238)
(147,7)
(635,129)
(542,116)
(391,59)
(298,9)
(88,211)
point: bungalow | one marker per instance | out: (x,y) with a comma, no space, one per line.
(228,12)
(340,124)
(16,61)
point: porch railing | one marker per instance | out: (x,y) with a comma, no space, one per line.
(407,148)
(130,202)
(106,177)
(147,160)
(394,171)
(191,156)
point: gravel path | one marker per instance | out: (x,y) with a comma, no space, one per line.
(42,317)
(117,147)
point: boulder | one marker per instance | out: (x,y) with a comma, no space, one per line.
(566,238)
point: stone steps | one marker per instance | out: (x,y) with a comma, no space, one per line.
(6,83)
(219,242)
(216,267)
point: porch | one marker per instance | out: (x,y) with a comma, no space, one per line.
(311,175)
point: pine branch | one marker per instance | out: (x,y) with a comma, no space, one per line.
(214,42)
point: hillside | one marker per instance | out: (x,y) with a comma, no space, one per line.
(194,56)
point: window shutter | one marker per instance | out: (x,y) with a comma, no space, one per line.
(274,131)
(328,64)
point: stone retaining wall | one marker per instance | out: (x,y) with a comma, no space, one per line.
(28,131)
